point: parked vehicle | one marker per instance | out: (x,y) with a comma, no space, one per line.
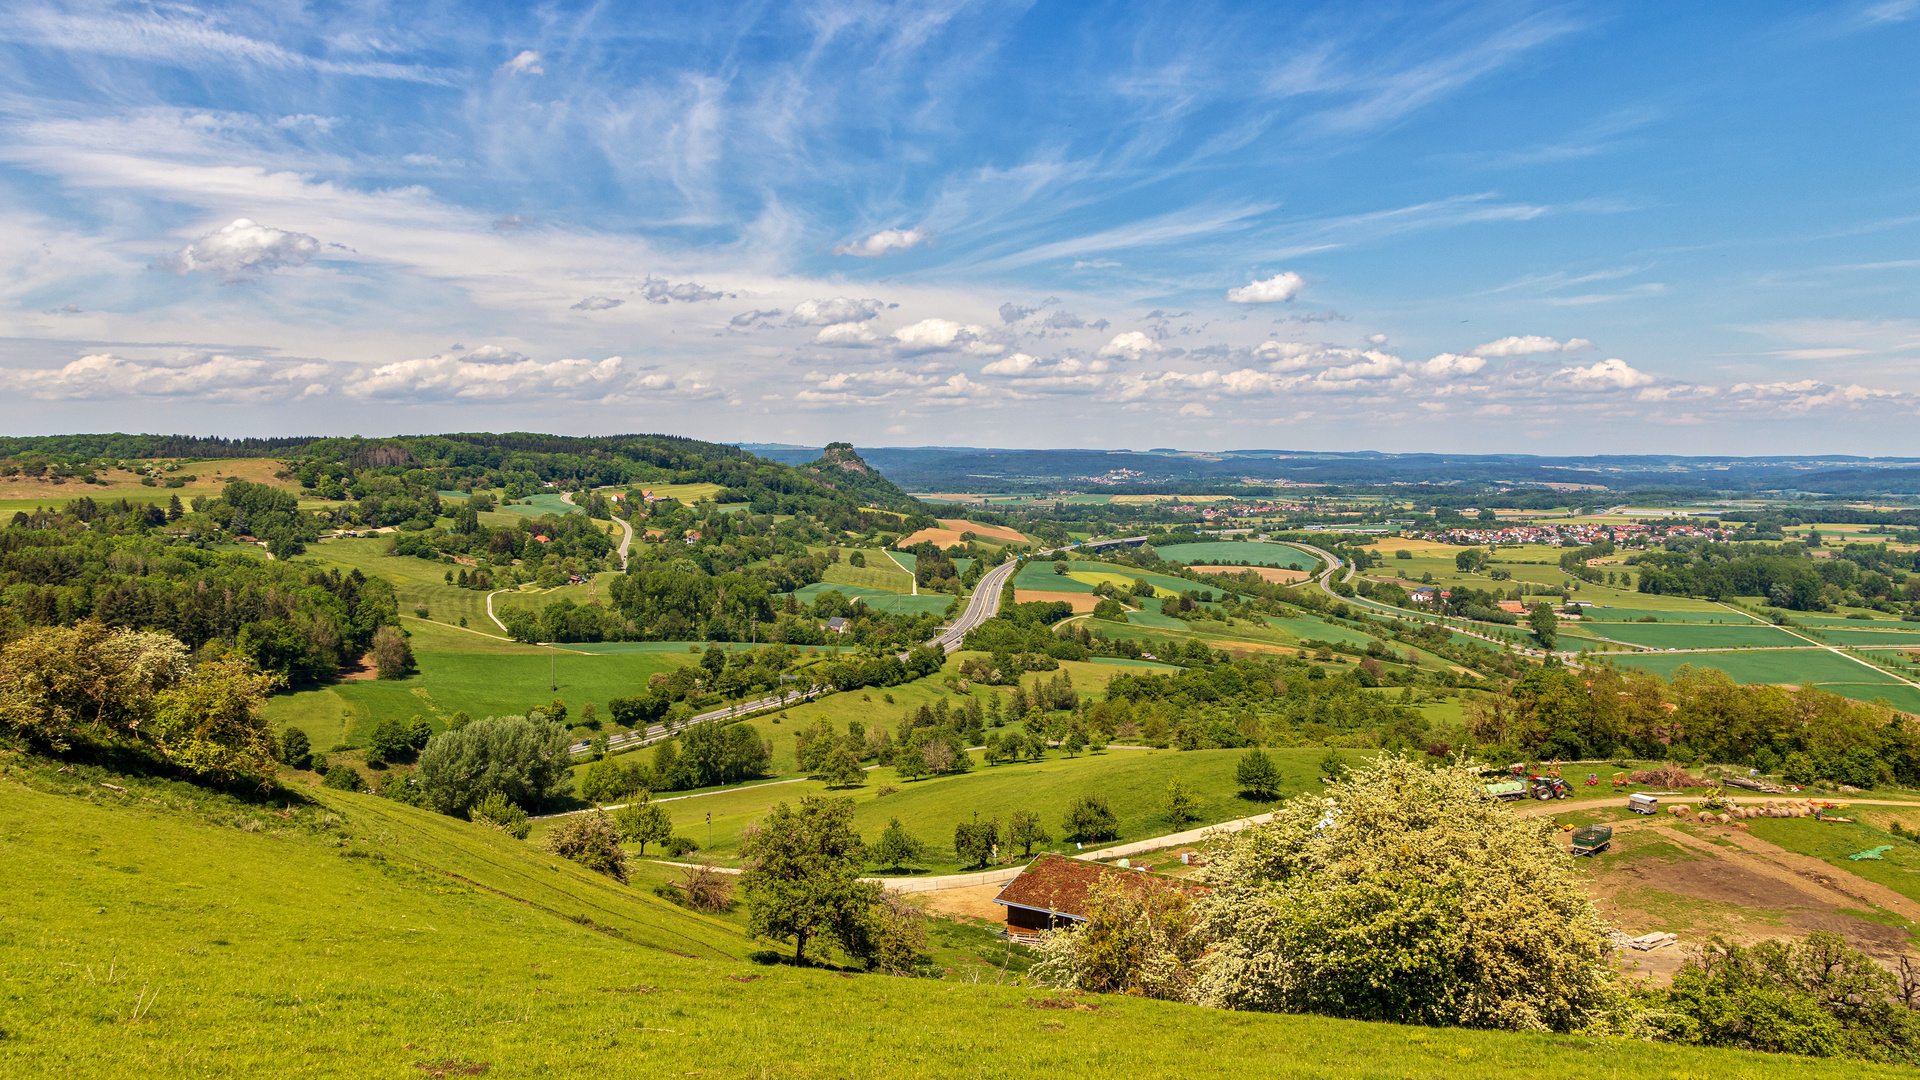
(1642,803)
(1549,787)
(1507,790)
(1591,839)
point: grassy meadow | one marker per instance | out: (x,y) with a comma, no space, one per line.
(164,935)
(1132,781)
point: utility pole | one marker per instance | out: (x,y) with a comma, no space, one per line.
(709,830)
(553,682)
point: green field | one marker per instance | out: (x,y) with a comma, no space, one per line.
(879,574)
(363,938)
(1696,635)
(541,505)
(1801,667)
(1133,782)
(1906,639)
(1715,614)
(470,673)
(1038,575)
(1255,552)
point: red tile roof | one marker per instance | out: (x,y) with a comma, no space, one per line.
(1057,884)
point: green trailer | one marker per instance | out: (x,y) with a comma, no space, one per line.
(1591,839)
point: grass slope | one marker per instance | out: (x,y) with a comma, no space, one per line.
(398,944)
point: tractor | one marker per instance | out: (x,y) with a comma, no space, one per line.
(1548,787)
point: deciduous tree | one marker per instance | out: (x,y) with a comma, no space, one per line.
(803,877)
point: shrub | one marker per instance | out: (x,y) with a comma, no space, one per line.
(1257,775)
(496,811)
(590,840)
(1090,818)
(344,778)
(295,749)
(524,760)
(391,653)
(678,845)
(707,889)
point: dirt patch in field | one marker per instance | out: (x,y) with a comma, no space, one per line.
(972,902)
(1081,601)
(361,670)
(950,529)
(1274,574)
(1728,882)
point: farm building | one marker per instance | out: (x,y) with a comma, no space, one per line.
(837,625)
(1052,891)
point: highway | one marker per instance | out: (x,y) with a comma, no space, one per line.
(983,605)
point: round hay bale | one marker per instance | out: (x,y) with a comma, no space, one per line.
(1724,819)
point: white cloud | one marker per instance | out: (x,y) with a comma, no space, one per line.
(191,375)
(1014,364)
(527,63)
(837,310)
(1283,286)
(1615,374)
(1529,346)
(1808,394)
(884,242)
(1131,345)
(657,291)
(244,250)
(749,318)
(597,303)
(846,333)
(930,335)
(1194,408)
(1450,364)
(490,372)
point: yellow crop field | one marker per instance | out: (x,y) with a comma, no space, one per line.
(1119,581)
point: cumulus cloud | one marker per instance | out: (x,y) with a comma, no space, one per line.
(527,63)
(1283,286)
(1448,365)
(244,250)
(1021,365)
(1132,345)
(507,223)
(490,373)
(1615,374)
(66,309)
(837,310)
(749,318)
(1194,408)
(597,303)
(1064,320)
(216,376)
(884,242)
(1807,394)
(1529,346)
(846,333)
(932,335)
(658,291)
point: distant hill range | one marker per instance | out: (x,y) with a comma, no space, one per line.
(932,469)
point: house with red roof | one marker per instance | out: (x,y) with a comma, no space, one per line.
(1054,891)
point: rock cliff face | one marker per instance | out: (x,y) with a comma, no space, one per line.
(840,467)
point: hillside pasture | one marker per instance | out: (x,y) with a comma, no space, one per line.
(459,671)
(442,948)
(880,573)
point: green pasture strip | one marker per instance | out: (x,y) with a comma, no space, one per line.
(1232,553)
(1887,638)
(1878,622)
(1802,667)
(1303,628)
(809,593)
(1134,783)
(1697,635)
(417,582)
(906,560)
(1156,620)
(690,648)
(1666,615)
(1121,661)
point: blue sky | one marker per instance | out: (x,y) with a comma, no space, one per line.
(1475,227)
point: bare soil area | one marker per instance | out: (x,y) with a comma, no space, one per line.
(1081,601)
(1275,574)
(950,529)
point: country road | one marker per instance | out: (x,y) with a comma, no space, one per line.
(626,541)
(636,739)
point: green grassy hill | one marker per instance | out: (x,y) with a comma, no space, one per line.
(164,932)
